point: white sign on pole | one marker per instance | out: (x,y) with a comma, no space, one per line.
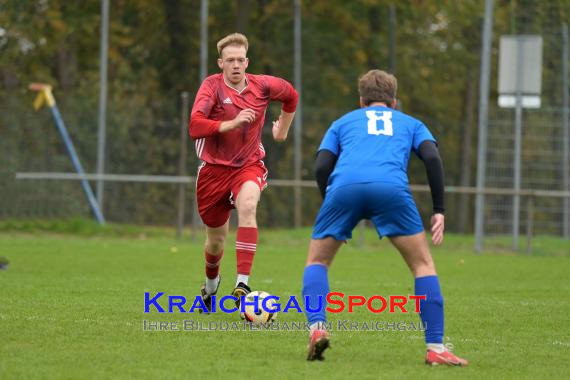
(529,49)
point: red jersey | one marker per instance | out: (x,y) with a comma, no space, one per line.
(216,102)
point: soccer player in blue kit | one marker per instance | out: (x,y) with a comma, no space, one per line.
(361,170)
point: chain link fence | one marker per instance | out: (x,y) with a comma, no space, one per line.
(146,140)
(542,157)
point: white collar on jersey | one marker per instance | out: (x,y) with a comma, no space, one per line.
(235,89)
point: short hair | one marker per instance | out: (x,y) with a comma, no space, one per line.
(237,39)
(377,86)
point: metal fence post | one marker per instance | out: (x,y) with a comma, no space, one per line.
(483,120)
(195,213)
(518,144)
(565,135)
(182,162)
(298,122)
(101,133)
(529,223)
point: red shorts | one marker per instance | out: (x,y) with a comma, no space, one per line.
(217,188)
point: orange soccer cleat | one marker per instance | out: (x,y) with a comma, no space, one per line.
(318,343)
(446,358)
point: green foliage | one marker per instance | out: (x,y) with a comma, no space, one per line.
(154,50)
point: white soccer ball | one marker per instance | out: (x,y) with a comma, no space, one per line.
(262,316)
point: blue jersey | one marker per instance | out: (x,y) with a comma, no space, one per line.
(373,144)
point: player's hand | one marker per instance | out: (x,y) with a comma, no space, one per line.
(245,116)
(275,130)
(437,228)
(281,126)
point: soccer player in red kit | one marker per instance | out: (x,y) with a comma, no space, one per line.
(226,124)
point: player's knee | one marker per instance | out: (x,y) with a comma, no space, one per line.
(215,244)
(248,207)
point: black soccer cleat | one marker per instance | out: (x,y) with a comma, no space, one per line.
(207,297)
(240,290)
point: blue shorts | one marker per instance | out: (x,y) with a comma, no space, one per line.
(390,207)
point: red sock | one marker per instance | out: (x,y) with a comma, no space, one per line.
(213,265)
(246,244)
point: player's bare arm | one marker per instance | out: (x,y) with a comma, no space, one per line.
(437,228)
(282,125)
(245,116)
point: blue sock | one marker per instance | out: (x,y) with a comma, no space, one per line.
(431,310)
(316,287)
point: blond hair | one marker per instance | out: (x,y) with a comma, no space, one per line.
(377,86)
(236,39)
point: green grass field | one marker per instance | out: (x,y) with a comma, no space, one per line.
(71,307)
